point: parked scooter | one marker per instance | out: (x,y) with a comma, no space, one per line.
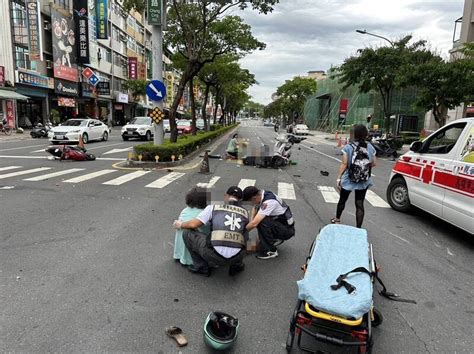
(40,130)
(68,152)
(276,127)
(385,146)
(281,153)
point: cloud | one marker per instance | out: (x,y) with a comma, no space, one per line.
(303,35)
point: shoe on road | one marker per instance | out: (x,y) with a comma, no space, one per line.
(267,255)
(202,271)
(236,268)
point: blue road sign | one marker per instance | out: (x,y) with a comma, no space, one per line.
(94,80)
(156,90)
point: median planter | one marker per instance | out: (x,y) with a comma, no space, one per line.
(185,145)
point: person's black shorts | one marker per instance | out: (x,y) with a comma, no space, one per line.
(233,154)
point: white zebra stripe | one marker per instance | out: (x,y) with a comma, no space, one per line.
(165,180)
(210,184)
(25,172)
(330,194)
(9,168)
(126,178)
(54,174)
(286,191)
(89,176)
(246,183)
(375,200)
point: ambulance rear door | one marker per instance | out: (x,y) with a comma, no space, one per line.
(458,204)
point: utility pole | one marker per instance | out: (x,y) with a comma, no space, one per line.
(157,55)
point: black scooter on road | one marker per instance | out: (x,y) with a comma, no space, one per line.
(385,146)
(40,130)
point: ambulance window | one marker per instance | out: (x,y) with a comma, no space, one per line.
(444,140)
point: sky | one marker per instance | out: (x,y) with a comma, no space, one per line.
(304,35)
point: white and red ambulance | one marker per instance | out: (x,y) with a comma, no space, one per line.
(437,175)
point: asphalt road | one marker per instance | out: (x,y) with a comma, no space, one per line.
(87,266)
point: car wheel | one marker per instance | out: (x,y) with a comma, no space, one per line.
(148,136)
(85,138)
(105,136)
(55,142)
(397,195)
(125,138)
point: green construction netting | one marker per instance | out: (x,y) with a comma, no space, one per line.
(321,111)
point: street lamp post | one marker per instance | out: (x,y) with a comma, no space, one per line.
(374,35)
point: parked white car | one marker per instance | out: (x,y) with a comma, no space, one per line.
(301,129)
(138,128)
(437,175)
(72,129)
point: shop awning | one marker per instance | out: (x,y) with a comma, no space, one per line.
(324,96)
(144,105)
(11,95)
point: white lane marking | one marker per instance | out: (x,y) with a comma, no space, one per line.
(22,147)
(103,146)
(125,178)
(114,151)
(9,168)
(25,172)
(46,157)
(246,183)
(54,174)
(330,194)
(399,237)
(40,150)
(210,184)
(89,176)
(7,187)
(286,191)
(165,180)
(375,200)
(321,153)
(449,252)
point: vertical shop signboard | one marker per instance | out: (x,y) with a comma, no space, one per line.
(10,113)
(154,12)
(35,40)
(81,17)
(101,19)
(64,46)
(2,75)
(132,68)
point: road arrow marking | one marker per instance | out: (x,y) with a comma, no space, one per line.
(114,151)
(42,150)
(155,90)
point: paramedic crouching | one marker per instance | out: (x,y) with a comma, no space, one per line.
(227,241)
(272,218)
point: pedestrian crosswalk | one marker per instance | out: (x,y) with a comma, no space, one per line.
(149,179)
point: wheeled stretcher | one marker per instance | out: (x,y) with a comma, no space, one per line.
(335,303)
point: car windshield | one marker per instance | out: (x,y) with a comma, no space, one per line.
(184,123)
(140,121)
(302,126)
(75,123)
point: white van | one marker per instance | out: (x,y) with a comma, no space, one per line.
(437,175)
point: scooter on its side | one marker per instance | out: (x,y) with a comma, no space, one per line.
(281,153)
(71,153)
(385,146)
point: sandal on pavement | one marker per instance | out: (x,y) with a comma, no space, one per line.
(177,334)
(335,221)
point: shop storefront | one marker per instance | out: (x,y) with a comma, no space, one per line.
(37,88)
(121,111)
(8,101)
(65,101)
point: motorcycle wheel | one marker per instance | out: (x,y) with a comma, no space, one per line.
(90,157)
(277,161)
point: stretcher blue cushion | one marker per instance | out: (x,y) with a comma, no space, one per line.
(338,250)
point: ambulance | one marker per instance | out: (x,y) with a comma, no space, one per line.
(437,175)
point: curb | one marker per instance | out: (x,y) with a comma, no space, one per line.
(170,165)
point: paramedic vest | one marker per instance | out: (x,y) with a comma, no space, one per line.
(287,216)
(228,226)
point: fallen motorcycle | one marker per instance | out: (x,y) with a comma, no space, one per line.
(385,147)
(281,152)
(72,153)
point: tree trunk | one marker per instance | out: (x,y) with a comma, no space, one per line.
(439,113)
(193,105)
(216,103)
(204,111)
(191,71)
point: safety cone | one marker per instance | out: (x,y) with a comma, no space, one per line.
(205,163)
(81,142)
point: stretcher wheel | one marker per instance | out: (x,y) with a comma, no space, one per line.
(378,318)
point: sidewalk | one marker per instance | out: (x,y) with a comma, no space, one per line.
(15,137)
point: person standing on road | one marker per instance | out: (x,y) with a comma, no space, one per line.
(233,147)
(355,173)
(196,201)
(226,243)
(272,218)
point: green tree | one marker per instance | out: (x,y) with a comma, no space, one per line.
(383,69)
(136,87)
(293,94)
(254,109)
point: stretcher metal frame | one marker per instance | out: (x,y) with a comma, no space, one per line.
(331,329)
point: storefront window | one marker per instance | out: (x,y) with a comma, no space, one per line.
(22,59)
(62,3)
